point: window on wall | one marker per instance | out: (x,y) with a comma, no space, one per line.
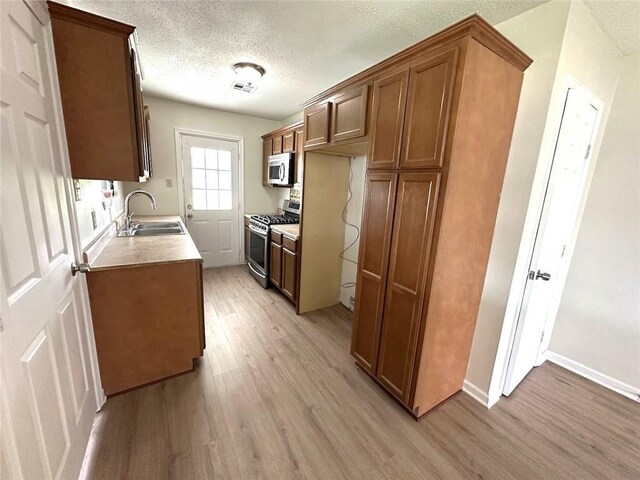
(211,179)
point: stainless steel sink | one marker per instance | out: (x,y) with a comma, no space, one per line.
(148,229)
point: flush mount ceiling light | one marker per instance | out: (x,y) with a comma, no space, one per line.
(248,72)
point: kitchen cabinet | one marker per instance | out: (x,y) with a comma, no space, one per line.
(349,114)
(299,155)
(377,221)
(148,322)
(277,145)
(284,140)
(316,124)
(422,266)
(387,118)
(101,96)
(288,141)
(284,264)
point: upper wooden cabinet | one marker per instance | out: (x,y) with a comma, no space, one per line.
(428,110)
(316,124)
(349,114)
(288,141)
(101,97)
(387,118)
(284,140)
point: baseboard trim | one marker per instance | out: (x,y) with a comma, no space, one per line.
(476,393)
(593,375)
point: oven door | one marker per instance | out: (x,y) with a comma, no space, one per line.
(258,256)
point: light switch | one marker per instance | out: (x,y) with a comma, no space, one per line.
(94,219)
(169,183)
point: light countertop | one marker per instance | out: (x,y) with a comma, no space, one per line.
(136,251)
(292,231)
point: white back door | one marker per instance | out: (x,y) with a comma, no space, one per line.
(48,395)
(212,200)
(556,226)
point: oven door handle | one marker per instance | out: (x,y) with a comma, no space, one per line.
(281,172)
(252,268)
(258,232)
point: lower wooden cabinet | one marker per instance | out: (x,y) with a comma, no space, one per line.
(148,322)
(283,265)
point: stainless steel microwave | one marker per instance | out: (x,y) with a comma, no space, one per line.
(281,169)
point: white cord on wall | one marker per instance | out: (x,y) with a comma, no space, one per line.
(344,219)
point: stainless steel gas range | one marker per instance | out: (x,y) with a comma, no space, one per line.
(259,228)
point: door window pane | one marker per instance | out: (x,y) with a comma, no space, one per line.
(211,179)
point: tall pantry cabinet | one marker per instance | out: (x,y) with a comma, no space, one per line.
(439,133)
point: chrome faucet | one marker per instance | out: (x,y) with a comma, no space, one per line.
(127,215)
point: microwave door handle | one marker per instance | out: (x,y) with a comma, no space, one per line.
(282,172)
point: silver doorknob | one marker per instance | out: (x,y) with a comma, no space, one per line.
(189,216)
(82,268)
(189,206)
(540,275)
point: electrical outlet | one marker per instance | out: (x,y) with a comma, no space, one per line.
(94,219)
(168,182)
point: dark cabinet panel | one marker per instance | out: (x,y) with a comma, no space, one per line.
(428,109)
(380,193)
(349,114)
(289,274)
(277,145)
(316,124)
(275,264)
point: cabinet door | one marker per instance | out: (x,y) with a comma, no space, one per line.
(141,137)
(379,201)
(267,145)
(288,141)
(289,274)
(147,118)
(316,124)
(428,107)
(387,117)
(408,265)
(299,155)
(349,114)
(277,145)
(275,265)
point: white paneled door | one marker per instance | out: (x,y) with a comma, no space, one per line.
(47,392)
(212,200)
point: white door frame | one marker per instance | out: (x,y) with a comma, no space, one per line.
(181,132)
(534,211)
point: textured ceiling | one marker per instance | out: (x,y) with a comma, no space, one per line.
(187,47)
(620,20)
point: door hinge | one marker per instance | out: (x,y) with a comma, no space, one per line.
(1,325)
(564,248)
(542,337)
(586,155)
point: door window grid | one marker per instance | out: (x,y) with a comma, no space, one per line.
(211,179)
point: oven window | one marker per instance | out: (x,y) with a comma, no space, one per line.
(257,249)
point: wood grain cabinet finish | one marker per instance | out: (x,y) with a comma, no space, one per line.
(299,144)
(277,145)
(430,205)
(148,322)
(410,249)
(289,274)
(316,124)
(288,141)
(387,118)
(377,221)
(275,264)
(349,114)
(101,97)
(428,109)
(267,149)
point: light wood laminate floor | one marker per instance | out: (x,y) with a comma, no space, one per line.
(277,396)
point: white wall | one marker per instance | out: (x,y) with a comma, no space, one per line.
(589,56)
(539,33)
(598,323)
(93,199)
(167,115)
(353,216)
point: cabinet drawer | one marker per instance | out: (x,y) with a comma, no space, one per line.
(276,237)
(290,244)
